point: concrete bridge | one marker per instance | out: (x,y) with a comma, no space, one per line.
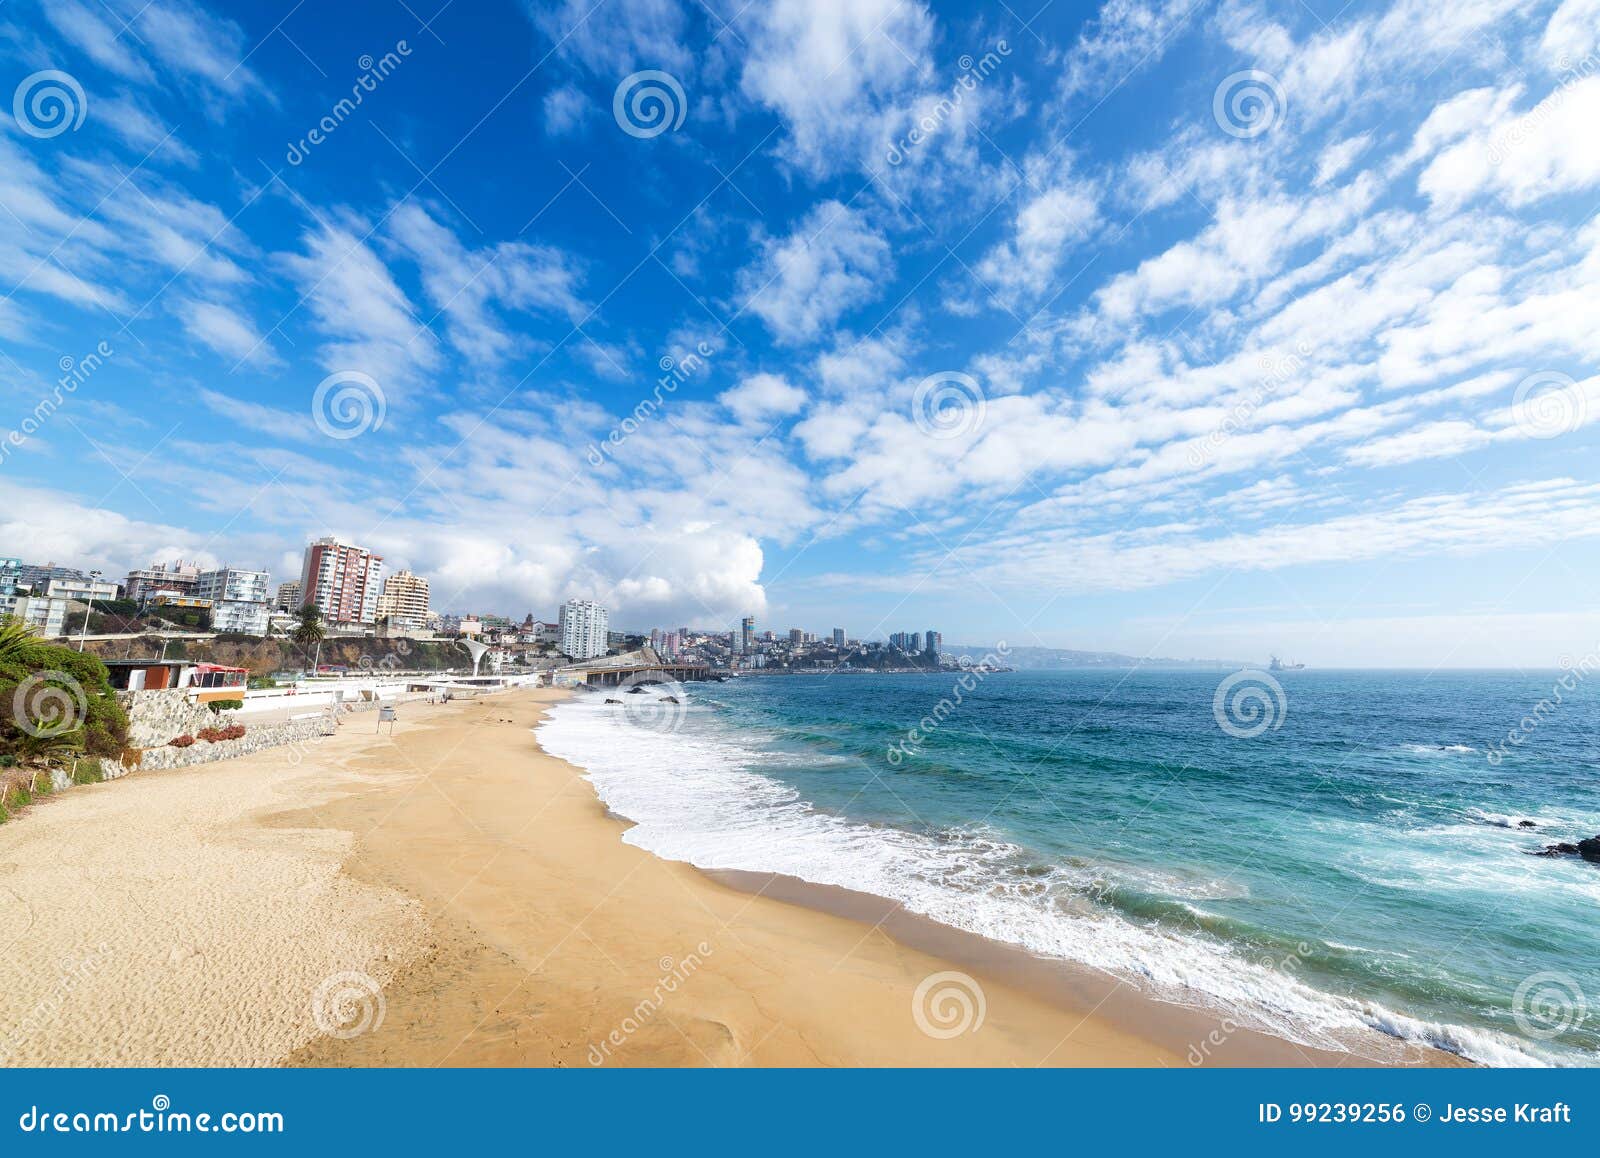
(636,667)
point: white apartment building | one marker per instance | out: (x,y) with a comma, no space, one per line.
(240,602)
(584,627)
(82,590)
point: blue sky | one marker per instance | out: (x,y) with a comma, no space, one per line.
(1189,329)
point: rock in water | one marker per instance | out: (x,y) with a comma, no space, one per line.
(1562,849)
(1526,824)
(1589,849)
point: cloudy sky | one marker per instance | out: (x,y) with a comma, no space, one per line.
(1177,328)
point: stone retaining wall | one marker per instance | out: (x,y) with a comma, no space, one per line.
(258,738)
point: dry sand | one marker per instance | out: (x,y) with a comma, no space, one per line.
(453,896)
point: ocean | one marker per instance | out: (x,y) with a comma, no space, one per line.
(1308,853)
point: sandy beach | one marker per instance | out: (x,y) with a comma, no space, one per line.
(453,896)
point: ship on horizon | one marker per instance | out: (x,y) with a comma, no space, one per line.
(1278,665)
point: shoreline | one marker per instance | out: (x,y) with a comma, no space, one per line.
(455,896)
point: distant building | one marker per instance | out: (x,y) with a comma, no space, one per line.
(38,576)
(935,643)
(344,581)
(796,636)
(82,590)
(46,615)
(180,578)
(584,629)
(289,597)
(240,604)
(11,588)
(745,644)
(838,638)
(405,600)
(916,642)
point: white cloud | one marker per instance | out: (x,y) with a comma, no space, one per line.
(762,397)
(843,75)
(224,330)
(801,284)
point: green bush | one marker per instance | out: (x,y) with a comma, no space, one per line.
(55,703)
(225,705)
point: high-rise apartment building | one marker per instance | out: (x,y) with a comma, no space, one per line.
(344,581)
(838,638)
(289,597)
(935,642)
(239,600)
(747,635)
(405,600)
(584,628)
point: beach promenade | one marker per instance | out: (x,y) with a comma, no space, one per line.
(450,895)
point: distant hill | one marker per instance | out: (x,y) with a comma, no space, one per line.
(1060,658)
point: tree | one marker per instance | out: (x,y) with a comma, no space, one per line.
(310,628)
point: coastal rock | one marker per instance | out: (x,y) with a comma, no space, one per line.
(669,699)
(1526,824)
(1588,849)
(612,701)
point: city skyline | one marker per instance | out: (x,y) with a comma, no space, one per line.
(1190,330)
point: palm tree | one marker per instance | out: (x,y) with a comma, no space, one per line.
(310,631)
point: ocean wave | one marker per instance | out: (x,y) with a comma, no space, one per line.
(705,806)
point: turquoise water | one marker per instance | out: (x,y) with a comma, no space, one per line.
(1357,863)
